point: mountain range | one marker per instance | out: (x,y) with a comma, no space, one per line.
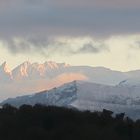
(29,77)
(80,87)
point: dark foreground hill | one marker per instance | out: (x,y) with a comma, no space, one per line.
(54,123)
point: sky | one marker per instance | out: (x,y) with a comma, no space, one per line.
(79,32)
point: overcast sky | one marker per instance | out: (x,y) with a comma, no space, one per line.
(98,32)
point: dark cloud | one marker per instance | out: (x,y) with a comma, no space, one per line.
(63,17)
(90,48)
(47,47)
(83,3)
(23,46)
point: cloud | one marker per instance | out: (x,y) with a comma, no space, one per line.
(89,48)
(77,3)
(116,52)
(56,46)
(62,17)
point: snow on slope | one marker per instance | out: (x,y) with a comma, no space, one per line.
(87,96)
(34,77)
(62,96)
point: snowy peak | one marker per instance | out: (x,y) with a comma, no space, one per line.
(51,65)
(4,67)
(24,69)
(5,73)
(35,70)
(21,71)
(54,65)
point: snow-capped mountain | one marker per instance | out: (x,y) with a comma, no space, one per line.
(61,96)
(87,96)
(34,77)
(5,73)
(50,70)
(29,70)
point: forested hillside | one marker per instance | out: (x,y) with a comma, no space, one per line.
(54,123)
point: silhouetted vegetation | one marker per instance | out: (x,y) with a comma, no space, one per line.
(55,123)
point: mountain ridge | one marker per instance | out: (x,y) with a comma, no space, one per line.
(32,70)
(86,96)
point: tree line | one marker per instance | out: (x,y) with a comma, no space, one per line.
(40,122)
